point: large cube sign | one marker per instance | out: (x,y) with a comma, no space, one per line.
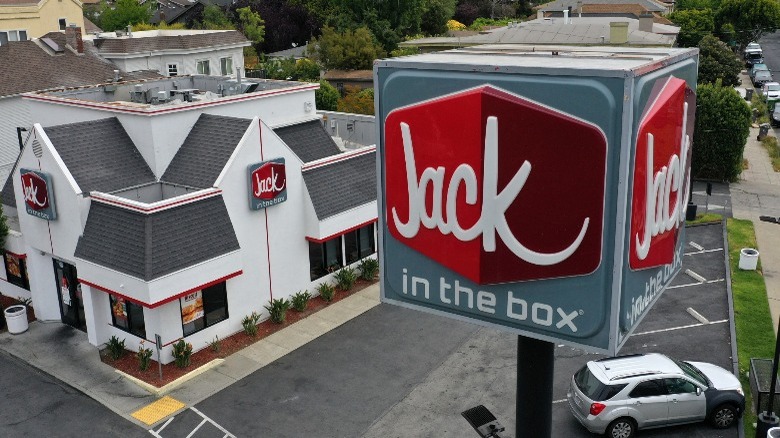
(545,200)
(474,182)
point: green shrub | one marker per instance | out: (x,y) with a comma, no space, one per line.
(326,291)
(300,300)
(116,348)
(182,351)
(249,323)
(215,345)
(345,278)
(144,356)
(278,309)
(368,268)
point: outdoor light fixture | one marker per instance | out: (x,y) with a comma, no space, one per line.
(483,421)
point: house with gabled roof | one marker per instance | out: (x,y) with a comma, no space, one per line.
(178,206)
(21,20)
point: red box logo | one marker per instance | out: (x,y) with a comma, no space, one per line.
(36,191)
(269,181)
(496,187)
(661,174)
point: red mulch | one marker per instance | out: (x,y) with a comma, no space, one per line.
(6,302)
(129,363)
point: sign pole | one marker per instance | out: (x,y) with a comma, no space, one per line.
(533,408)
(158,344)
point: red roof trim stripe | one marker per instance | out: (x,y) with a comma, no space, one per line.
(340,233)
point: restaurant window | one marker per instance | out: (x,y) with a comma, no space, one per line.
(203,308)
(325,257)
(226,65)
(203,67)
(16,270)
(127,315)
(359,244)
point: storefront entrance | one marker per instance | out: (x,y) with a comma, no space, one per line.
(69,292)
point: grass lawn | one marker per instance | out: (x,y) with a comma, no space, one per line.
(705,218)
(752,320)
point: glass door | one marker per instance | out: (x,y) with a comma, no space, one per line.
(69,293)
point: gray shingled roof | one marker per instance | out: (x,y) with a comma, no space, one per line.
(27,67)
(150,246)
(205,151)
(7,194)
(145,44)
(308,140)
(343,185)
(100,155)
(559,5)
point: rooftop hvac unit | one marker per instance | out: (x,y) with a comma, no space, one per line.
(138,95)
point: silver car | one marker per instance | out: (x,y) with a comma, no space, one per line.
(621,395)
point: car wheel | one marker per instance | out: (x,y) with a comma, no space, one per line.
(621,428)
(723,416)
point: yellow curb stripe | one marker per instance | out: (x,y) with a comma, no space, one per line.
(158,410)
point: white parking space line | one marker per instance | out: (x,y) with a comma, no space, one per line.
(695,276)
(695,284)
(696,245)
(704,251)
(698,316)
(559,401)
(679,328)
(156,433)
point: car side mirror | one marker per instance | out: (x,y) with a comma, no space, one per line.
(698,391)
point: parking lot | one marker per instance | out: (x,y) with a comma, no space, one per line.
(671,328)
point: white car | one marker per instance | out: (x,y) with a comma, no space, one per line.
(752,48)
(771,90)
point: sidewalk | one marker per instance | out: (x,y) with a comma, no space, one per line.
(756,194)
(65,353)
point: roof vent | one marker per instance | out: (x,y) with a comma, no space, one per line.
(37,148)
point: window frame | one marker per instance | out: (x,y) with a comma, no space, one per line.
(360,252)
(130,309)
(223,70)
(207,293)
(204,62)
(659,382)
(17,32)
(62,23)
(173,67)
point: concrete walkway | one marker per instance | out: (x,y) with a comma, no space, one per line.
(65,353)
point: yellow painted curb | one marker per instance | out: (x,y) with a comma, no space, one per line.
(158,410)
(167,388)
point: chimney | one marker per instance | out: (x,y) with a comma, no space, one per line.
(73,38)
(618,32)
(646,22)
(565,16)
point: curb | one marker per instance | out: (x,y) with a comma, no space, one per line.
(170,386)
(732,329)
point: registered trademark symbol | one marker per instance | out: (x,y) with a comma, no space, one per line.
(582,312)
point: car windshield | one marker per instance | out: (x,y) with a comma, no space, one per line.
(773,87)
(593,388)
(756,55)
(763,74)
(692,372)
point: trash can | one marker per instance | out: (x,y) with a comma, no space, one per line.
(16,318)
(773,432)
(748,259)
(763,131)
(690,212)
(748,94)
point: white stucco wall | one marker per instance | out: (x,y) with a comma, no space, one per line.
(13,112)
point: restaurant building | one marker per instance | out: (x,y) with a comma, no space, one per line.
(176,207)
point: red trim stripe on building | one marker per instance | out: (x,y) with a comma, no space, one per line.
(18,256)
(340,233)
(167,300)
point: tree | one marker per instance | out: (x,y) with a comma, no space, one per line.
(160,26)
(214,18)
(685,5)
(326,97)
(251,25)
(694,25)
(346,50)
(751,18)
(721,130)
(289,23)
(435,16)
(293,69)
(718,63)
(124,13)
(357,101)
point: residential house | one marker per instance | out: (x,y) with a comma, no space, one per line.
(21,20)
(187,12)
(341,79)
(174,52)
(603,8)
